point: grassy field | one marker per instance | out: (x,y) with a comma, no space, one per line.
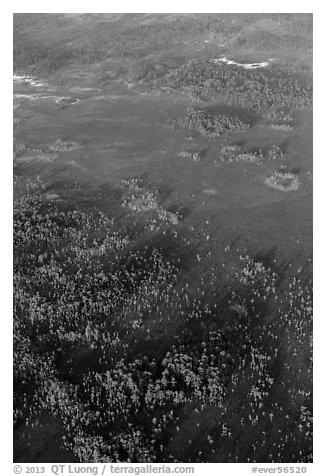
(162,294)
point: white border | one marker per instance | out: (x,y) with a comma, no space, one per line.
(319,197)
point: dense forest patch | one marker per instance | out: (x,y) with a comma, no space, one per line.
(86,297)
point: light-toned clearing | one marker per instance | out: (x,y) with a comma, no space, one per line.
(281,127)
(51,196)
(62,100)
(27,80)
(210,191)
(243,65)
(38,157)
(80,89)
(34,97)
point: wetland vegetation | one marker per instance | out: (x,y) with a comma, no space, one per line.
(163,297)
